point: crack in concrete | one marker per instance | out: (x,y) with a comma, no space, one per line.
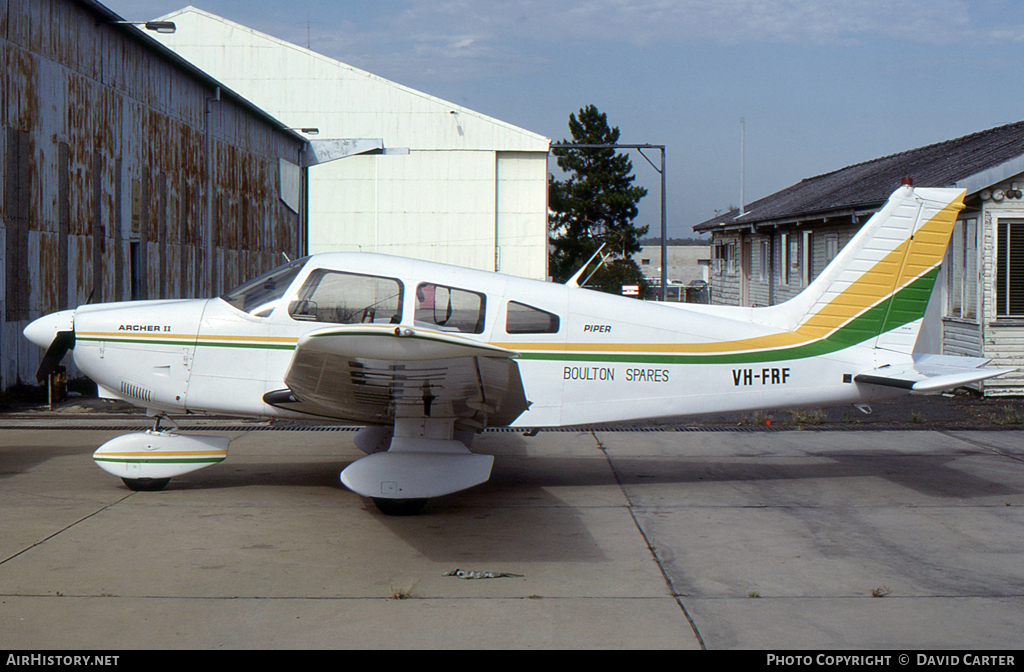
(650,548)
(992,449)
(65,528)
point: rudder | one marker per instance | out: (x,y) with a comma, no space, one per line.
(877,288)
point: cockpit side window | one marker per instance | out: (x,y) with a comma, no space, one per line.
(348,298)
(260,296)
(523,319)
(450,309)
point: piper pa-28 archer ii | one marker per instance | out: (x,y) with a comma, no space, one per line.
(426,355)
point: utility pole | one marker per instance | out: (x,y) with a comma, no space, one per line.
(661,171)
(743,138)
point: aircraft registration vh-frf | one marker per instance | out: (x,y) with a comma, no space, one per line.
(426,355)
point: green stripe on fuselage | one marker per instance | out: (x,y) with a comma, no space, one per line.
(200,344)
(906,306)
(166,460)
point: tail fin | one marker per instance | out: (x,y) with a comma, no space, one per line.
(878,287)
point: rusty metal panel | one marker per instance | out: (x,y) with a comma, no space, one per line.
(77,132)
(117,246)
(63,221)
(17,188)
(79,269)
(19,22)
(157,238)
(22,106)
(4,76)
(91,112)
(42,290)
(96,243)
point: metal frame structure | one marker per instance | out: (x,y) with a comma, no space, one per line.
(661,171)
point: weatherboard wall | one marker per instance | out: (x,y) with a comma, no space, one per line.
(1002,338)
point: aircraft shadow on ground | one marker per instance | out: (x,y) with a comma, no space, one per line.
(930,475)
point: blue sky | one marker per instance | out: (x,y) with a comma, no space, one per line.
(820,84)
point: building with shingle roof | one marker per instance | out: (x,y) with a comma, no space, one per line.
(774,248)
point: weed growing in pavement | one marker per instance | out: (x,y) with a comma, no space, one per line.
(807,416)
(1010,416)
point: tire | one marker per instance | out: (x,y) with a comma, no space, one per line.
(146,484)
(399,507)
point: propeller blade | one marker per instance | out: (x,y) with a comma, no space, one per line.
(62,342)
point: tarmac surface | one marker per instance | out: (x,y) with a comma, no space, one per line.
(716,536)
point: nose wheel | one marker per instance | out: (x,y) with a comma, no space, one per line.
(146,484)
(399,507)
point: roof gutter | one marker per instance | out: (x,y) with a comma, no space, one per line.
(737,224)
(106,16)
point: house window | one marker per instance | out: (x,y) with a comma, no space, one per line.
(1010,268)
(793,273)
(765,264)
(783,258)
(790,265)
(962,270)
(831,247)
(723,258)
(806,259)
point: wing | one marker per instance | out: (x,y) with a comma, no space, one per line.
(932,373)
(375,373)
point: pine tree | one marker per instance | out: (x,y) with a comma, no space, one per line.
(596,204)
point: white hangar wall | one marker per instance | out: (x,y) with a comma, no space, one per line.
(472,190)
(455,207)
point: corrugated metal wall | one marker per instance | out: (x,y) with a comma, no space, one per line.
(104,174)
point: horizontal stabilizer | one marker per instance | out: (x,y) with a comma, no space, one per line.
(932,373)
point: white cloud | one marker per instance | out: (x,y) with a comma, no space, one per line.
(656,21)
(466,39)
(456,39)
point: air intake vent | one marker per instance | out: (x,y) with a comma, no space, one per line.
(135,391)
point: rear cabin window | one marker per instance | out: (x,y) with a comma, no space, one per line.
(450,309)
(523,319)
(348,298)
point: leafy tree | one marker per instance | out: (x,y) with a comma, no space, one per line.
(595,204)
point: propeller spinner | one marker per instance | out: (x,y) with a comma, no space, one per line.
(56,333)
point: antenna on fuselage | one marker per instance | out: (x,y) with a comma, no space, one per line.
(575,279)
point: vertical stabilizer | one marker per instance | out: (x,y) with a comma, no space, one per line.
(877,289)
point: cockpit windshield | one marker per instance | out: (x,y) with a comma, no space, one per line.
(260,296)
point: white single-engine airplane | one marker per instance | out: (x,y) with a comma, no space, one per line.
(426,355)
